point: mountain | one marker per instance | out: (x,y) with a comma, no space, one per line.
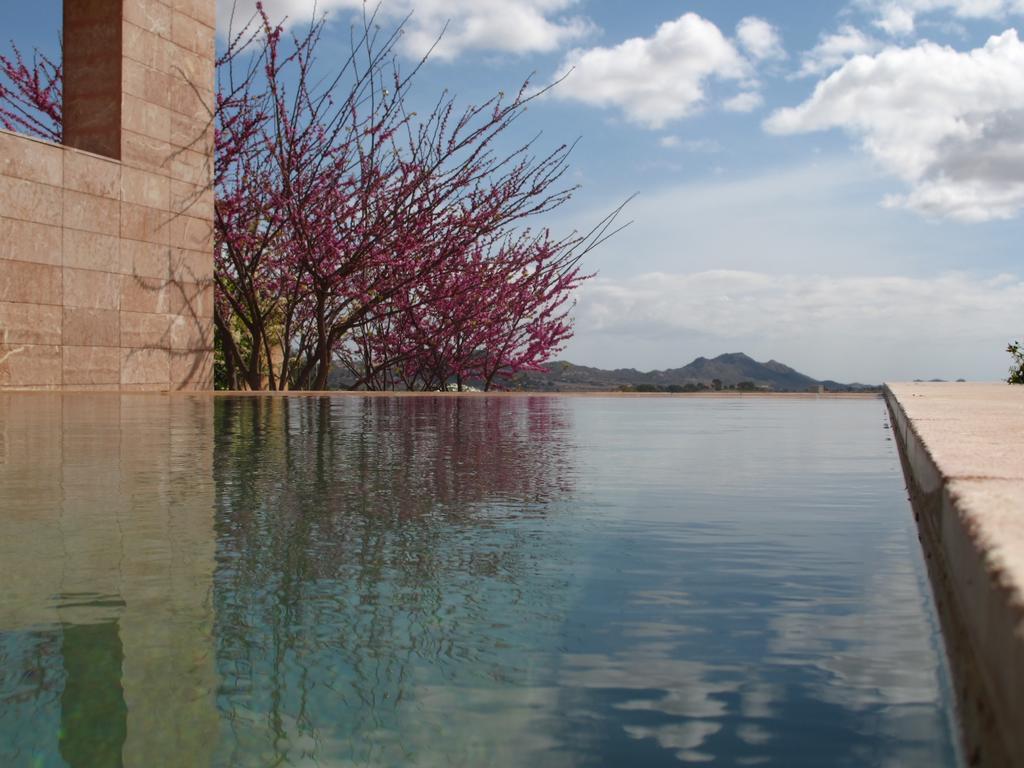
(733,370)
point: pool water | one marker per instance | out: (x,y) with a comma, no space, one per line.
(444,581)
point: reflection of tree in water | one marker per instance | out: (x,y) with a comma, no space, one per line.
(373,548)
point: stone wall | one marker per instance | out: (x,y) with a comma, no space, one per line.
(961,446)
(106,260)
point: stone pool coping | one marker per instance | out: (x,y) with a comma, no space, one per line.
(962,447)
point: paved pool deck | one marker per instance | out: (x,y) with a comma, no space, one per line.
(962,447)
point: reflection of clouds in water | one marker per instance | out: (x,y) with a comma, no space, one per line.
(759,700)
(679,688)
(876,647)
(684,686)
(662,598)
(507,726)
(660,631)
(695,695)
(753,734)
(721,657)
(682,738)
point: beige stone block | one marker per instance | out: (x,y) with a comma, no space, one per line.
(92,366)
(91,174)
(30,365)
(145,118)
(193,167)
(28,241)
(194,299)
(192,199)
(91,213)
(85,327)
(192,234)
(192,35)
(142,187)
(146,259)
(202,301)
(145,366)
(90,289)
(191,266)
(90,388)
(188,99)
(31,159)
(145,47)
(89,250)
(151,15)
(192,133)
(191,67)
(30,201)
(162,386)
(140,329)
(150,295)
(139,151)
(192,371)
(147,83)
(29,323)
(200,10)
(189,333)
(151,225)
(25,282)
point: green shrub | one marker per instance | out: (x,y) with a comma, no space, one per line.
(1017,369)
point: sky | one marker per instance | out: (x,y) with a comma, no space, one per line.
(834,184)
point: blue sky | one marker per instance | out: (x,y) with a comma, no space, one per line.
(836,185)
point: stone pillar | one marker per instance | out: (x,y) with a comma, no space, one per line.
(166,301)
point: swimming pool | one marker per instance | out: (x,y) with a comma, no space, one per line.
(435,581)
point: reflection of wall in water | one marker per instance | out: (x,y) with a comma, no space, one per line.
(106,530)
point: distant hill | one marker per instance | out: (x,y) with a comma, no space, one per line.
(729,371)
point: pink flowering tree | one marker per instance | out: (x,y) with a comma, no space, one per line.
(30,95)
(501,309)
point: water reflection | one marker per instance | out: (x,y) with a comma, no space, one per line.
(759,671)
(384,566)
(106,562)
(447,581)
(794,628)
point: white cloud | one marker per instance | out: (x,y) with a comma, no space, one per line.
(950,124)
(747,101)
(654,80)
(895,20)
(511,26)
(832,51)
(697,146)
(760,39)
(899,17)
(854,327)
(734,303)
